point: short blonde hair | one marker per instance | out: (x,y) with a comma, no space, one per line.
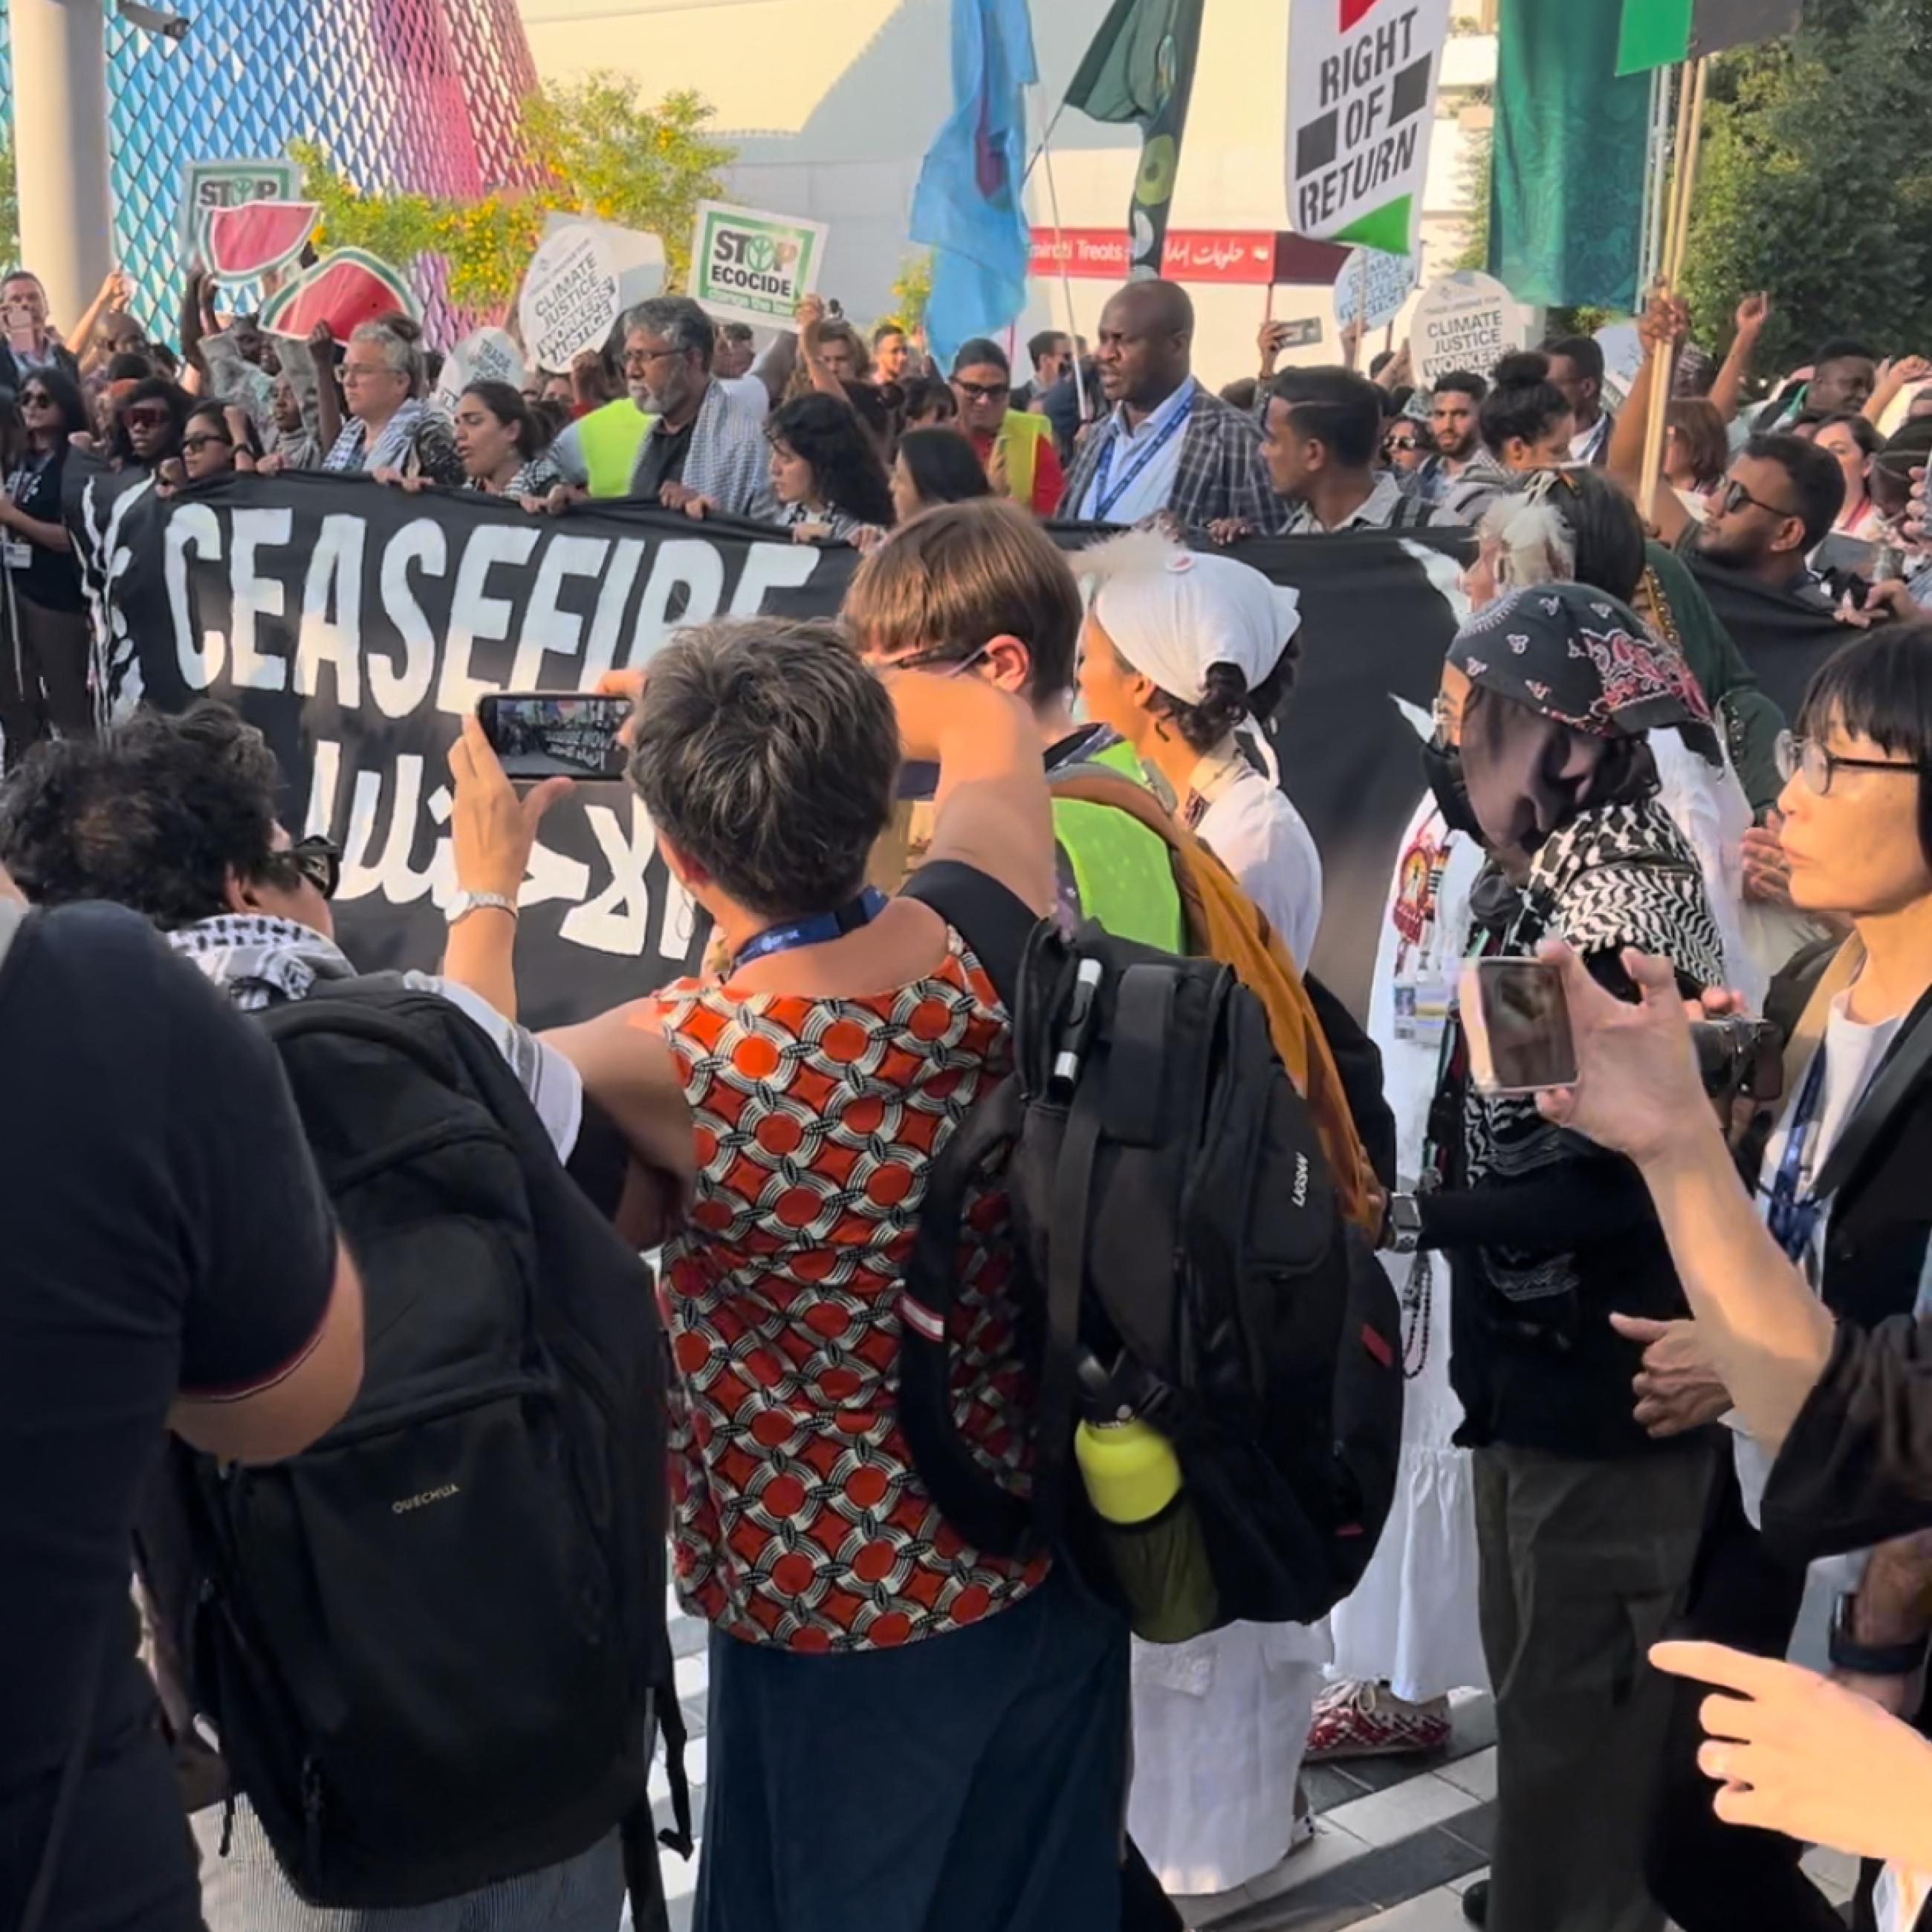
(959,575)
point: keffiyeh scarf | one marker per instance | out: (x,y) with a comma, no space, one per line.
(1617,876)
(260,961)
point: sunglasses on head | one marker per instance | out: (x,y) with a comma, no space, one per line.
(319,859)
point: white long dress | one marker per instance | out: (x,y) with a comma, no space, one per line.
(1412,1622)
(1220,1722)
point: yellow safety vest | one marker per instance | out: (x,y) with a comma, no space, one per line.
(1021,437)
(1122,872)
(611,438)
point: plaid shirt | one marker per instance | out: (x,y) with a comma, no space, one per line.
(1220,473)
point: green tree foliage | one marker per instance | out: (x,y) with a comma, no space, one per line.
(597,149)
(1817,183)
(912,288)
(10,206)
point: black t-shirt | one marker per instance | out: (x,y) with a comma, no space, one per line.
(166,1232)
(662,461)
(51,577)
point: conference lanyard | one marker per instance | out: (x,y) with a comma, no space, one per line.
(813,932)
(1792,1215)
(1104,499)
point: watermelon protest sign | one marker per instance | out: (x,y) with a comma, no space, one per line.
(208,185)
(747,266)
(255,238)
(345,288)
(570,299)
(1361,102)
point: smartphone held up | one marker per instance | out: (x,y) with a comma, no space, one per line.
(1516,1016)
(547,734)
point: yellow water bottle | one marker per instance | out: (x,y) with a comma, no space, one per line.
(1152,1534)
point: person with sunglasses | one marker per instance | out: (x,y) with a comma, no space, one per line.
(1014,446)
(43,681)
(1406,447)
(174,817)
(147,424)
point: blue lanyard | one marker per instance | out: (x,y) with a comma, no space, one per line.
(1104,500)
(1792,1217)
(813,932)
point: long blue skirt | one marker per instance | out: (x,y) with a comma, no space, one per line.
(974,1782)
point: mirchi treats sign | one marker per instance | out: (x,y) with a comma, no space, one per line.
(750,266)
(1362,76)
(1465,321)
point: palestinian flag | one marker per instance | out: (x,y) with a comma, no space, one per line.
(1140,69)
(1660,33)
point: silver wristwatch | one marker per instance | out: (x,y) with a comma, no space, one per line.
(464,903)
(1404,1234)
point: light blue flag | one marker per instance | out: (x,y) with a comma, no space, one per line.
(968,208)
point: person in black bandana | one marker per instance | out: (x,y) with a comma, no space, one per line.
(1586,1528)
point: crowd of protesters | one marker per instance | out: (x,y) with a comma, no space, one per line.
(1658,1385)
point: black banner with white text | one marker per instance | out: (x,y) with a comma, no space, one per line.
(356,625)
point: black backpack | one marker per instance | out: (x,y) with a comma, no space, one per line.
(434,1643)
(1182,1249)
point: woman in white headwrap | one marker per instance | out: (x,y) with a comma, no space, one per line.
(1180,650)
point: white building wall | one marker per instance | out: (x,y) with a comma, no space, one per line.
(832,111)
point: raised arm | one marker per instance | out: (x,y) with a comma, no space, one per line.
(112,293)
(1727,391)
(1894,378)
(992,810)
(1662,323)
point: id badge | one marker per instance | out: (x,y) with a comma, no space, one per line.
(1430,997)
(1405,1008)
(19,555)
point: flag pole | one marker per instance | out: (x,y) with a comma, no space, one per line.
(1690,129)
(1066,274)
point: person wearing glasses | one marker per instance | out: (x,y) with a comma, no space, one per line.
(43,682)
(145,430)
(1406,447)
(391,427)
(698,451)
(1837,1169)
(1016,447)
(1797,1281)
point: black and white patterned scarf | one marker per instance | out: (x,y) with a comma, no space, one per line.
(1616,876)
(260,960)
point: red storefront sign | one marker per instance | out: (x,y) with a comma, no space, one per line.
(1253,256)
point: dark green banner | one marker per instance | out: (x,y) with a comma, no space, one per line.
(1566,193)
(1141,68)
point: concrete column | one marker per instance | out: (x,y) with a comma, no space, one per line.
(60,148)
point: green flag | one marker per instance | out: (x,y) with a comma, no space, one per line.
(1659,33)
(1141,68)
(1566,185)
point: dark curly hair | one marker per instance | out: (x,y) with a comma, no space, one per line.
(149,389)
(845,464)
(1227,700)
(154,816)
